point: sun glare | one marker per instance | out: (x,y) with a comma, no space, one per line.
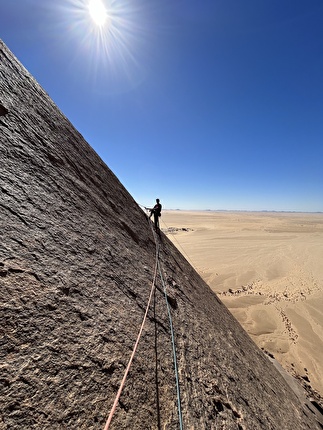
(98,12)
(110,36)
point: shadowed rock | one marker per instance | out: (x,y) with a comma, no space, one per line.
(76,263)
(3,110)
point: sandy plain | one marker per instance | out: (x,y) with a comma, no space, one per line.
(267,268)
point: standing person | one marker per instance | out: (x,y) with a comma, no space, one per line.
(156,210)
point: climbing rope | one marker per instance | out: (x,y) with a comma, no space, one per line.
(157,268)
(136,345)
(180,418)
(174,350)
(178,245)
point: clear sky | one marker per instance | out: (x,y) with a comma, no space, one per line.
(206,104)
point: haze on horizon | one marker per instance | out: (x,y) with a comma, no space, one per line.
(213,106)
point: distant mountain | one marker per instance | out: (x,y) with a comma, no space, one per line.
(77,259)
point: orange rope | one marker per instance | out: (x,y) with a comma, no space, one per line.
(135,347)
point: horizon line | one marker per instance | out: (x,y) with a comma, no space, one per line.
(243,210)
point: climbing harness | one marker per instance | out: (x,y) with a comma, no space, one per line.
(157,268)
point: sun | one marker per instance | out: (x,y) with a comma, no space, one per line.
(98,12)
(111,37)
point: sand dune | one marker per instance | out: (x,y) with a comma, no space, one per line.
(267,269)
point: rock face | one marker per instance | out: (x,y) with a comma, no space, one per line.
(77,257)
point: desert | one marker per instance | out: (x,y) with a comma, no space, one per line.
(266,267)
(79,282)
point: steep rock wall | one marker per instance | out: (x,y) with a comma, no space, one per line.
(76,264)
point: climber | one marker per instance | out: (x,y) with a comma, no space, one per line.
(156,210)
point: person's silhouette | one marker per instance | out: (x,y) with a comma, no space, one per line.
(156,211)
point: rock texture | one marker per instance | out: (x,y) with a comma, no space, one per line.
(76,263)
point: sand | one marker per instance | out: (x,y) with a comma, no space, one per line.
(267,268)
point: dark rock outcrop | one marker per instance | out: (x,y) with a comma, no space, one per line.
(3,110)
(76,264)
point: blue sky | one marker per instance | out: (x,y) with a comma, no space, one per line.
(206,104)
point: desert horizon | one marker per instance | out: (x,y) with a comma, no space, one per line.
(266,211)
(266,268)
